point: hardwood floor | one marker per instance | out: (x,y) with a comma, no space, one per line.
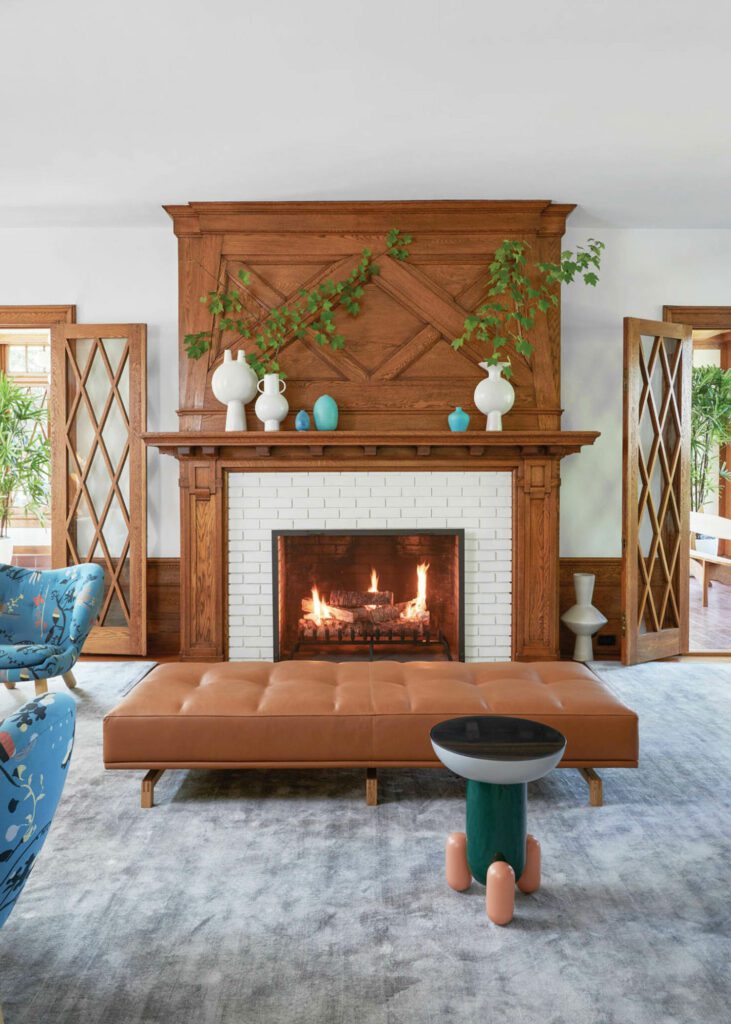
(710,628)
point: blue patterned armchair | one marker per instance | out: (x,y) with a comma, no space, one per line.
(45,618)
(35,750)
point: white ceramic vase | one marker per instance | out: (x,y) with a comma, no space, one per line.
(494,396)
(234,384)
(271,405)
(583,618)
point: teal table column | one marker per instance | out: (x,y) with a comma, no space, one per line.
(496,826)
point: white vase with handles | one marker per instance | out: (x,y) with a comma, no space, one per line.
(583,618)
(234,384)
(271,405)
(494,396)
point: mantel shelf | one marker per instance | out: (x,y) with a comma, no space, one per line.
(416,446)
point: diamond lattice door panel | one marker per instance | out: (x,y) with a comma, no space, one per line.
(99,488)
(656,492)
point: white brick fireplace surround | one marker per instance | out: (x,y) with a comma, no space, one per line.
(478,502)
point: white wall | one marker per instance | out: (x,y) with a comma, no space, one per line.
(114,275)
(122,274)
(642,271)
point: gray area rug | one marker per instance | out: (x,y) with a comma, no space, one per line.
(280,898)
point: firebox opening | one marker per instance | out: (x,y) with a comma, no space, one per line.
(368,593)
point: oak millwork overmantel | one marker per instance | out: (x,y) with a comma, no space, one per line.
(395,381)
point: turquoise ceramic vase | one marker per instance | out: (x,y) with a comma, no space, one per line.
(459,419)
(302,420)
(325,411)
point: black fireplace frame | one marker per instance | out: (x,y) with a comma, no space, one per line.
(457,532)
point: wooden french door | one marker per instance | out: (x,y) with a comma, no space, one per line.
(656,489)
(99,471)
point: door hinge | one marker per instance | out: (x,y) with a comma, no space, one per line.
(623,621)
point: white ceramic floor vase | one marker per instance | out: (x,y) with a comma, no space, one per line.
(583,618)
(271,405)
(234,384)
(494,396)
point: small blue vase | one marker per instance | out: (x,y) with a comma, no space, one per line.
(302,420)
(325,411)
(459,419)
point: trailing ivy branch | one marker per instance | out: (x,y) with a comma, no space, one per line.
(517,294)
(313,312)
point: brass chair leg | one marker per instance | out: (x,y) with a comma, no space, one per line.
(70,679)
(8,686)
(41,687)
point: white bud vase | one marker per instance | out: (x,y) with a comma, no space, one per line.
(271,405)
(234,384)
(495,395)
(583,618)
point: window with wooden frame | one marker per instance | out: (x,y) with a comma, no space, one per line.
(25,339)
(25,357)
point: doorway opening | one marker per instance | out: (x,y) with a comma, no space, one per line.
(710,479)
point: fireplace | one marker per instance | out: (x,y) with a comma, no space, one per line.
(368,593)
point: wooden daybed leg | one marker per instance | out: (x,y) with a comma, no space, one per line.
(371,787)
(70,679)
(595,786)
(9,686)
(148,787)
(41,687)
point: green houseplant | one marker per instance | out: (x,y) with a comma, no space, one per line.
(710,430)
(25,453)
(518,292)
(312,312)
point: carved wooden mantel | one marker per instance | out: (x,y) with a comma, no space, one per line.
(398,369)
(533,457)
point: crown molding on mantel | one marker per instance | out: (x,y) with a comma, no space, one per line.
(510,215)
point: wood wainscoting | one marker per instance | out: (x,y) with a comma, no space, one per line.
(607,598)
(163,607)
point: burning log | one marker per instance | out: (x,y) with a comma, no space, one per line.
(395,631)
(382,613)
(359,598)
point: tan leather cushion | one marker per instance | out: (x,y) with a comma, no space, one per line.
(352,713)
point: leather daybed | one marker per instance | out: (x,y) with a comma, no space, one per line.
(316,714)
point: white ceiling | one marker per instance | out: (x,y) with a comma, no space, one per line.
(109,110)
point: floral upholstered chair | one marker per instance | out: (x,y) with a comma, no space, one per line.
(35,749)
(45,618)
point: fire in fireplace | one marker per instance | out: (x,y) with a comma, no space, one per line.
(390,592)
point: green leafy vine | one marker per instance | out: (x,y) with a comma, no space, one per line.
(518,293)
(313,312)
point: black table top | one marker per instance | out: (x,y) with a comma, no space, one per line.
(498,738)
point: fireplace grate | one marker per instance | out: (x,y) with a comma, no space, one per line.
(369,640)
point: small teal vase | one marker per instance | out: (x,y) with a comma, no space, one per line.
(325,411)
(459,419)
(302,420)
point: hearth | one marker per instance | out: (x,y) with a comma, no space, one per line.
(368,593)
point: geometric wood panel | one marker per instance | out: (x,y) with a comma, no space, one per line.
(397,370)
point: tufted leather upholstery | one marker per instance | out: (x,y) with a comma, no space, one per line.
(310,713)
